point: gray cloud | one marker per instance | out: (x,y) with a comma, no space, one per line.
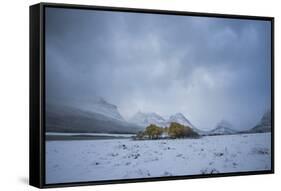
(207,68)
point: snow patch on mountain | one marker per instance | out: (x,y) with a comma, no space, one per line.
(101,106)
(223,128)
(145,119)
(264,125)
(179,118)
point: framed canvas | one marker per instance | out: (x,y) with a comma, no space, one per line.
(121,95)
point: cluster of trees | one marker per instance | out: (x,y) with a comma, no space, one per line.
(175,130)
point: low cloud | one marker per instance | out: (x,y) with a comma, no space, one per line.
(207,68)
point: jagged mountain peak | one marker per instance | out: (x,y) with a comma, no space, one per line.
(179,118)
(178,115)
(264,124)
(145,119)
(104,103)
(223,127)
(100,105)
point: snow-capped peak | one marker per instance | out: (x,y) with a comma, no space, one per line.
(179,118)
(266,119)
(101,106)
(264,124)
(223,127)
(145,119)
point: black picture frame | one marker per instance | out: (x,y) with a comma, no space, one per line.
(37,93)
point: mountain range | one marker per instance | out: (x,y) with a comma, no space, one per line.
(145,119)
(264,124)
(101,116)
(222,128)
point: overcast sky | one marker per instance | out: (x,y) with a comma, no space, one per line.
(209,69)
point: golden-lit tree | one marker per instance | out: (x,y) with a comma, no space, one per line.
(153,131)
(177,130)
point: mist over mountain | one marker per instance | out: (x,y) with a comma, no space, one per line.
(208,68)
(145,119)
(264,124)
(99,117)
(101,106)
(179,118)
(223,128)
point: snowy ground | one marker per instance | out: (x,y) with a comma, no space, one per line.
(92,160)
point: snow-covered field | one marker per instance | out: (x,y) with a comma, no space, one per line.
(92,160)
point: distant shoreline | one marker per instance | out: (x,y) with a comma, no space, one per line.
(104,136)
(54,136)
